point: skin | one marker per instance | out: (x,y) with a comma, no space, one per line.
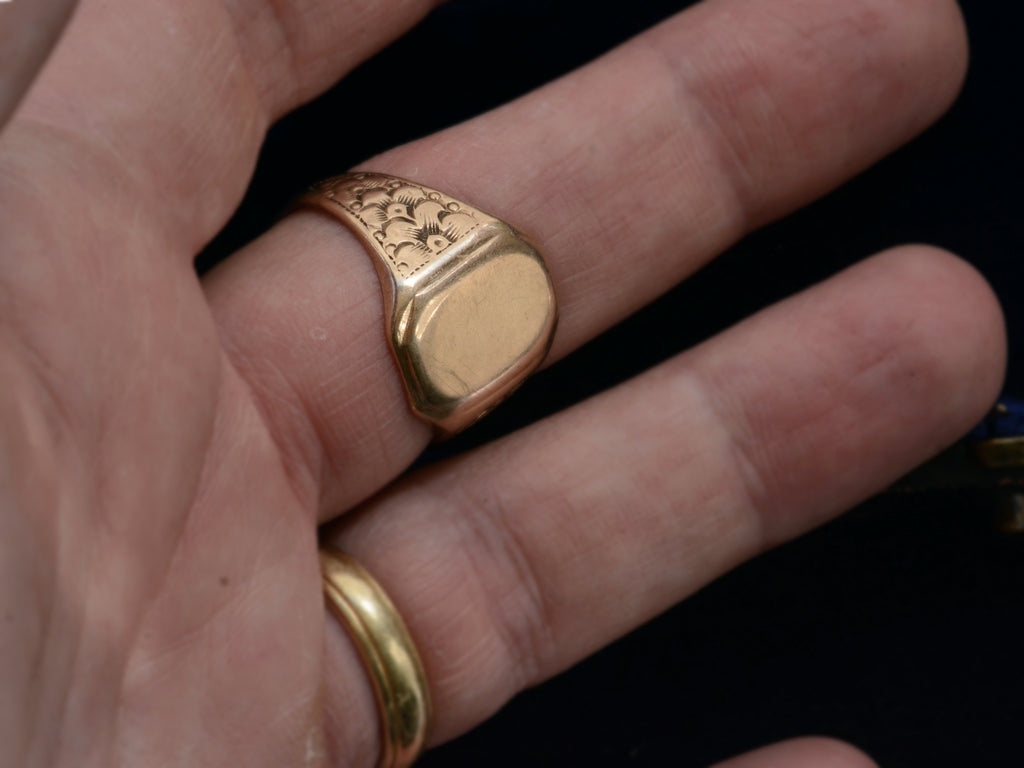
(169,447)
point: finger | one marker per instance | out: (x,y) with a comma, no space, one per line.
(28,31)
(814,752)
(515,561)
(169,102)
(630,173)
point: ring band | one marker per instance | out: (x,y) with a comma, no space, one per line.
(469,305)
(395,670)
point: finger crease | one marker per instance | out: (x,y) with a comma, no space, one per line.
(694,110)
(501,562)
(749,488)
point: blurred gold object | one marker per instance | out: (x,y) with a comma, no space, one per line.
(1004,453)
(1000,452)
(394,667)
(469,304)
(1010,513)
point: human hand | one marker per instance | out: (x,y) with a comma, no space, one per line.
(169,446)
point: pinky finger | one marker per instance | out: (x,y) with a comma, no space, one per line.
(28,31)
(811,752)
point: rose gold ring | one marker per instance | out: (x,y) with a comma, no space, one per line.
(470,309)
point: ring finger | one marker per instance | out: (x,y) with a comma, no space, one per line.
(514,561)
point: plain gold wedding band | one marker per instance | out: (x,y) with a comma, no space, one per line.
(392,662)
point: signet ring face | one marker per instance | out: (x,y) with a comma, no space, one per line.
(469,306)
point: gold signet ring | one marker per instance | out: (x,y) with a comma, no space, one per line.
(469,305)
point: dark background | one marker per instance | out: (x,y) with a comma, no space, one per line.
(899,627)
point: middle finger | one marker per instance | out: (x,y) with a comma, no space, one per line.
(631,173)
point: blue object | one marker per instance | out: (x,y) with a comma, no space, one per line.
(1005,420)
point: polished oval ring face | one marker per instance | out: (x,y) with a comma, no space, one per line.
(466,340)
(469,305)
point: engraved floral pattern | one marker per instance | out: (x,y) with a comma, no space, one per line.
(413,225)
